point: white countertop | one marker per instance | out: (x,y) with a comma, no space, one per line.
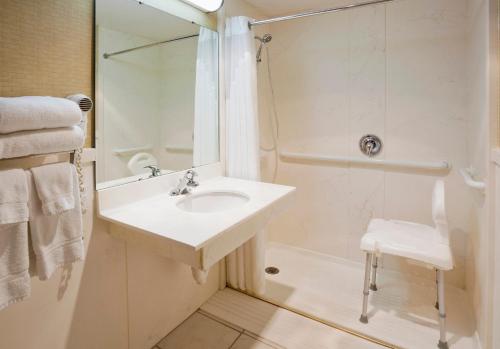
(159,215)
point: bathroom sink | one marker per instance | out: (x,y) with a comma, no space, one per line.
(213,201)
(198,229)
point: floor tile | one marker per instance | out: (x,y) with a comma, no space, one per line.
(200,332)
(263,340)
(247,342)
(222,321)
(279,325)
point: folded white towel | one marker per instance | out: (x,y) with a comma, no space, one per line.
(54,186)
(36,112)
(14,253)
(26,143)
(57,239)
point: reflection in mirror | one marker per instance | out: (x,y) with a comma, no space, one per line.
(156,93)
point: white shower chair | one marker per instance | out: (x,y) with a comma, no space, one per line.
(429,245)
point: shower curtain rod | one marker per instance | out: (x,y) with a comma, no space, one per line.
(107,55)
(316,12)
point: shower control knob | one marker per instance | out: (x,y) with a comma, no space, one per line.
(370,145)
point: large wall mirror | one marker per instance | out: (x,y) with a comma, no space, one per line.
(156,93)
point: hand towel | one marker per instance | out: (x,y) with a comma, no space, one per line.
(57,239)
(13,197)
(26,143)
(54,186)
(14,252)
(36,112)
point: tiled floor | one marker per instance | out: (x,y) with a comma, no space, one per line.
(204,331)
(243,322)
(401,312)
(282,327)
(199,331)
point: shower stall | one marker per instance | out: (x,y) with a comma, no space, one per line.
(409,74)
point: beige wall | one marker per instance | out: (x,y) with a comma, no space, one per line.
(122,296)
(482,127)
(495,207)
(495,309)
(46,48)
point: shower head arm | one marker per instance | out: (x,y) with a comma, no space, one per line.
(263,40)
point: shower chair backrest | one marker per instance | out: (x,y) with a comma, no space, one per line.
(439,212)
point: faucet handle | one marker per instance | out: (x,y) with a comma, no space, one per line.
(155,171)
(190,176)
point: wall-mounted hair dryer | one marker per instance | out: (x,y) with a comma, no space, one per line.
(85,104)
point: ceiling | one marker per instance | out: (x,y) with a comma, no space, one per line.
(285,7)
(131,17)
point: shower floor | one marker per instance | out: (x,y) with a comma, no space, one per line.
(401,312)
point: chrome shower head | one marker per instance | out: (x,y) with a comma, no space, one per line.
(267,38)
(263,40)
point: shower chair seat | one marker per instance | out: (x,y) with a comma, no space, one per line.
(418,242)
(415,241)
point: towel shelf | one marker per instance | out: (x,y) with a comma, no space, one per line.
(467,174)
(27,162)
(346,160)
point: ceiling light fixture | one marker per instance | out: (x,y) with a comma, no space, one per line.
(206,5)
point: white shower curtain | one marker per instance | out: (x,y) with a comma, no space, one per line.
(245,266)
(206,110)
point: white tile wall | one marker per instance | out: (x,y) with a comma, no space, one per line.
(478,150)
(395,70)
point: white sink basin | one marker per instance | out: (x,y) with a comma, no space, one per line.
(198,229)
(214,201)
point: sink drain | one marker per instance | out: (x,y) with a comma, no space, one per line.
(272,270)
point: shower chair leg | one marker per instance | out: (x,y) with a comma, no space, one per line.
(443,344)
(366,289)
(373,284)
(437,291)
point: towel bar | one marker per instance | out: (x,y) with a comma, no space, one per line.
(27,162)
(132,150)
(179,148)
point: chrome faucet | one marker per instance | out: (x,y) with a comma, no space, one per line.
(155,171)
(186,183)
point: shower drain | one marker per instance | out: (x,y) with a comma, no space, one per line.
(272,270)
